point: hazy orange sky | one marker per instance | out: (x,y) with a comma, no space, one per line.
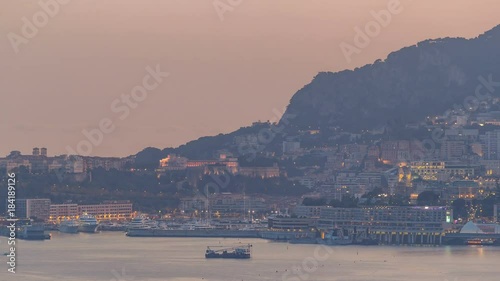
(224,74)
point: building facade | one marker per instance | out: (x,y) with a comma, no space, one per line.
(105,210)
(33,208)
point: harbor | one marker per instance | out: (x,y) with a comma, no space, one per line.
(370,226)
(112,254)
(283,229)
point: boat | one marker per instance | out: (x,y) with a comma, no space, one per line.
(33,232)
(480,242)
(69,226)
(112,226)
(87,223)
(141,223)
(336,237)
(197,225)
(221,252)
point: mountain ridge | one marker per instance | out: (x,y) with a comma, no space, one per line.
(416,81)
(411,74)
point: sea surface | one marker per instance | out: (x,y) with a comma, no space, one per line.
(111,256)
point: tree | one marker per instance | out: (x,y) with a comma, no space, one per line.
(459,209)
(428,198)
(308,201)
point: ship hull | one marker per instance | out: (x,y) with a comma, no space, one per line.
(87,228)
(227,256)
(68,229)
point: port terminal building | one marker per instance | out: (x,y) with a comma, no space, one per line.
(388,224)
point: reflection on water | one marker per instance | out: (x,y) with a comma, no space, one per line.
(114,257)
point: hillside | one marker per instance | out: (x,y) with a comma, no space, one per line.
(410,84)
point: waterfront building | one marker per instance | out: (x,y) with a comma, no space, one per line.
(108,210)
(33,208)
(289,223)
(105,210)
(59,211)
(387,218)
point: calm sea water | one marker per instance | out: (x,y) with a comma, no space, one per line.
(115,257)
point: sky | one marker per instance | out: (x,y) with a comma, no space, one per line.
(189,68)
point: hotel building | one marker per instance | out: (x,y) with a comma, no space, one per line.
(106,210)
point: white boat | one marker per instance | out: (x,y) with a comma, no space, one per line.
(88,223)
(142,222)
(197,225)
(69,226)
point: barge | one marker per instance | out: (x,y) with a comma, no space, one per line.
(221,252)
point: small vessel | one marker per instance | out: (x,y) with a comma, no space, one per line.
(480,242)
(33,232)
(221,252)
(69,226)
(88,223)
(336,237)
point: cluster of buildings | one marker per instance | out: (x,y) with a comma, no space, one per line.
(457,163)
(227,204)
(223,164)
(43,209)
(39,162)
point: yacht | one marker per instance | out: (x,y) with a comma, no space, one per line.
(142,222)
(69,226)
(88,223)
(197,225)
